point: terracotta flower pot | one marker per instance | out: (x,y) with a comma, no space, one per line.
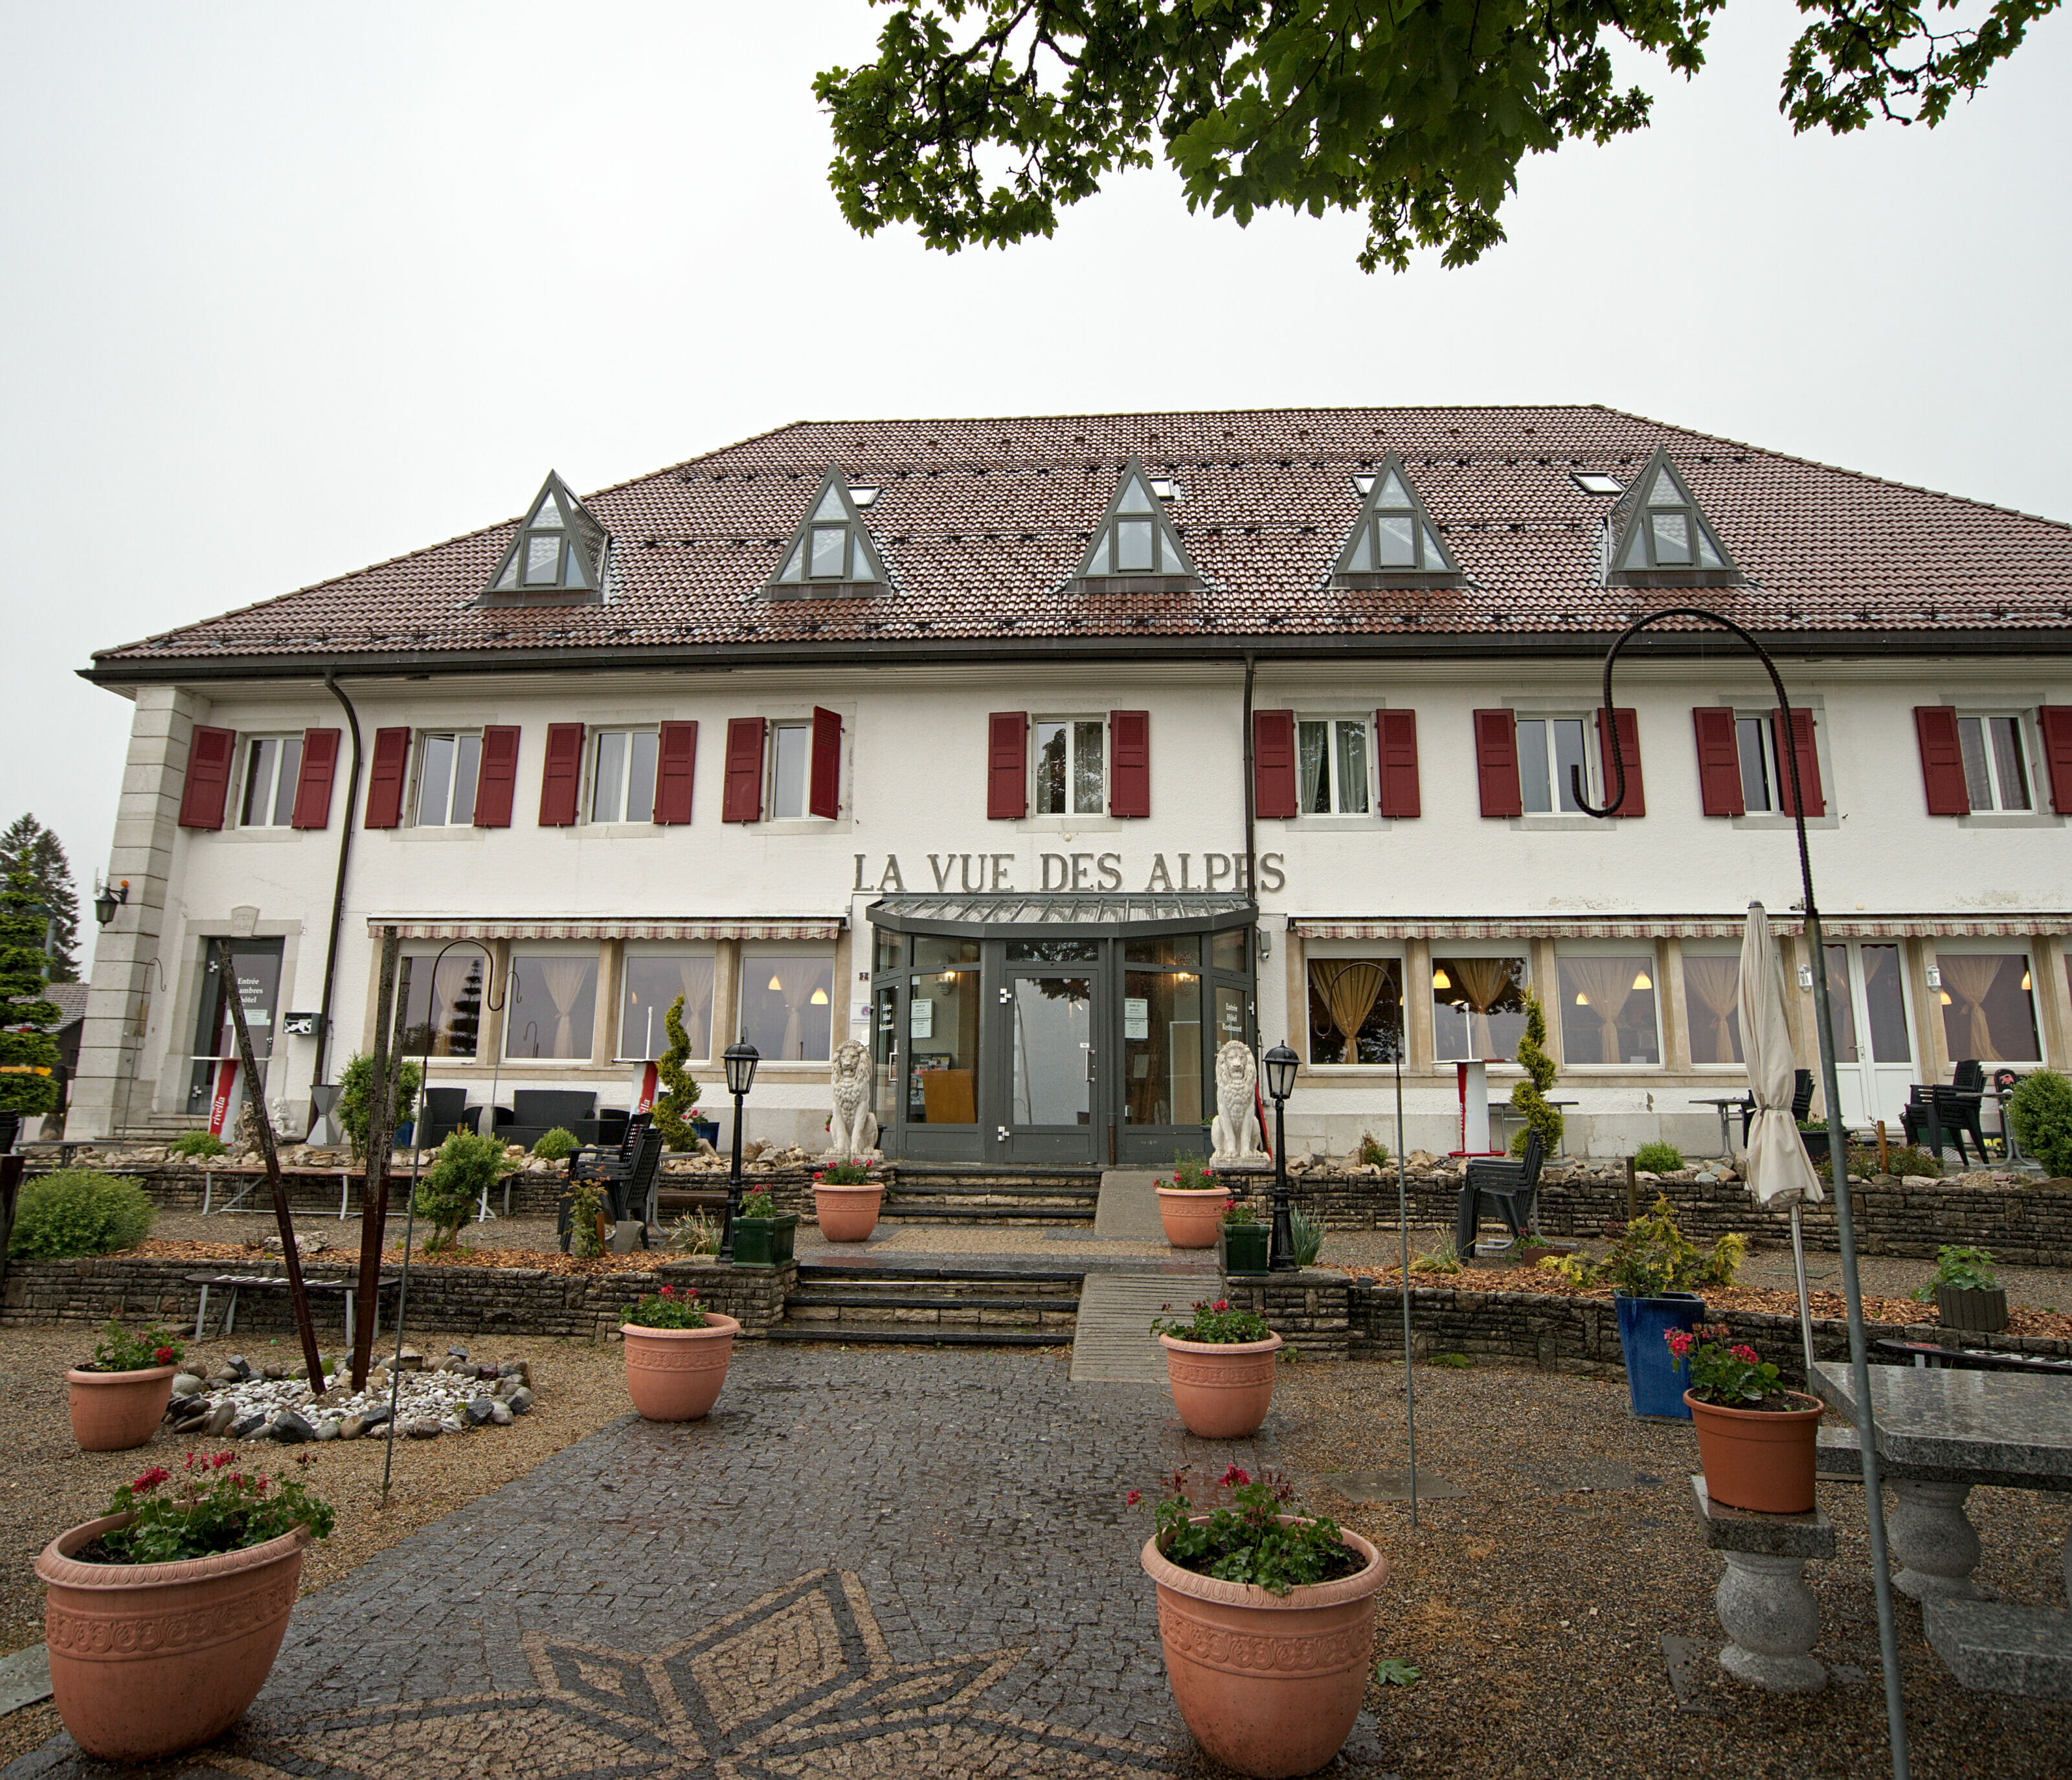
(675,1375)
(848,1214)
(1269,1684)
(1222,1389)
(1760,1460)
(148,1659)
(1191,1219)
(113,1412)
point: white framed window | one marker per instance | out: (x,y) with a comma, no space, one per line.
(1548,748)
(1755,742)
(1609,1007)
(791,767)
(1478,1003)
(622,776)
(448,763)
(1712,1004)
(1988,999)
(1332,766)
(272,763)
(1996,774)
(787,1004)
(552,1008)
(652,980)
(1071,766)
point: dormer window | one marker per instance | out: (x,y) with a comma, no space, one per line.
(1135,540)
(1394,543)
(1659,536)
(833,552)
(558,557)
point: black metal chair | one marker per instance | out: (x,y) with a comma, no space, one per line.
(1509,1188)
(1801,1101)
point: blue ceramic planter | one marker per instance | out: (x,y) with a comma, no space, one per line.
(1656,1379)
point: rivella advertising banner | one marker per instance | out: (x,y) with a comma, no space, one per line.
(643,1096)
(219,1103)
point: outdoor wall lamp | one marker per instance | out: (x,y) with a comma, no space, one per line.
(1279,1064)
(740,1060)
(108,899)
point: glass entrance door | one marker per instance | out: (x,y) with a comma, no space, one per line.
(1873,1036)
(1048,1007)
(256,963)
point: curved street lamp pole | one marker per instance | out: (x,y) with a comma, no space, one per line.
(1838,1150)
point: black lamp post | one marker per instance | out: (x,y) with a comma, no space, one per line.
(1279,1064)
(740,1060)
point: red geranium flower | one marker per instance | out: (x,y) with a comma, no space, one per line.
(151,1479)
(1236,1475)
(1134,1497)
(162,1355)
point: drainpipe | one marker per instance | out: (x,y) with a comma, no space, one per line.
(338,893)
(1250,857)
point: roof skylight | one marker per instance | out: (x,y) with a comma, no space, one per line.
(1659,535)
(1134,537)
(832,552)
(1394,541)
(1591,483)
(559,550)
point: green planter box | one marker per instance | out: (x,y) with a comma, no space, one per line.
(763,1242)
(1244,1246)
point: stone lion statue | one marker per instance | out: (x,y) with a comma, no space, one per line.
(1236,1131)
(853,1133)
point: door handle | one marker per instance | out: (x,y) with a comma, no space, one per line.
(1090,1063)
(1000,1134)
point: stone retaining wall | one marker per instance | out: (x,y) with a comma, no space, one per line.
(2028,1225)
(475,1299)
(1309,1309)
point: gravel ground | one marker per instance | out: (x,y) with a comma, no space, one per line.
(50,1485)
(1533,1606)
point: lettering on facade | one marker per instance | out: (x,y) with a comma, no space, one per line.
(976,873)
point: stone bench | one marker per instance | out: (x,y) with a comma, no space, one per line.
(1997,1646)
(1771,1619)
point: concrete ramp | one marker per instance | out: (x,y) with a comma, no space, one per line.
(1113,1342)
(1127,1208)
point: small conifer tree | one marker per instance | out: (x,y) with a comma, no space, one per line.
(1530,1096)
(672,1106)
(25,1047)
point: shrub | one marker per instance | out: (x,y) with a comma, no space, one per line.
(1577,1269)
(1530,1096)
(1903,1159)
(680,1093)
(695,1234)
(586,1212)
(1652,1257)
(1659,1158)
(79,1211)
(194,1144)
(1442,1259)
(1305,1236)
(2041,1111)
(466,1167)
(556,1146)
(355,1084)
(1373,1153)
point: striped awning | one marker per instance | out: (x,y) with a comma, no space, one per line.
(1676,927)
(721,927)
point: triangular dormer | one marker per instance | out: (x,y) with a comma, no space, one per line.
(832,554)
(1135,542)
(558,557)
(1659,536)
(1395,543)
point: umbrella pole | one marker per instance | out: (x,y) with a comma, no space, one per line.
(1805,1308)
(1403,1229)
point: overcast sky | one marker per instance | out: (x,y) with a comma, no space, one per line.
(287,290)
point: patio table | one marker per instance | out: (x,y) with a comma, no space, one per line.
(1725,1105)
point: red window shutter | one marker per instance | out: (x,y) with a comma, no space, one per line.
(741,800)
(210,754)
(1395,737)
(559,783)
(677,759)
(1006,765)
(1941,761)
(1719,761)
(1273,763)
(385,777)
(1129,763)
(313,782)
(1496,762)
(824,790)
(1628,731)
(1809,762)
(2055,721)
(496,779)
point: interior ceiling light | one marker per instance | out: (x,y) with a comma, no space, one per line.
(1582,999)
(776,988)
(1441,979)
(1640,981)
(819,997)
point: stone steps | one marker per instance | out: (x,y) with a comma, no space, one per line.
(948,1200)
(930,1304)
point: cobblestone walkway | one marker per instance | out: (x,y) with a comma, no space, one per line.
(862,1564)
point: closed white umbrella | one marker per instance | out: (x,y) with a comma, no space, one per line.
(1777,1164)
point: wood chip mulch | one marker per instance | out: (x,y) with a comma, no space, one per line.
(2022,1320)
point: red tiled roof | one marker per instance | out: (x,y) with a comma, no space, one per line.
(982,524)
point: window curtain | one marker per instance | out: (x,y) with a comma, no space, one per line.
(1969,977)
(697,974)
(1483,982)
(1609,984)
(1315,740)
(1348,988)
(564,979)
(1715,984)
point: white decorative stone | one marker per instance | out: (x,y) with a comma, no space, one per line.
(1236,1133)
(853,1132)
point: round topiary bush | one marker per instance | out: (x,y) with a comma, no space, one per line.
(79,1211)
(556,1146)
(1659,1158)
(2041,1111)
